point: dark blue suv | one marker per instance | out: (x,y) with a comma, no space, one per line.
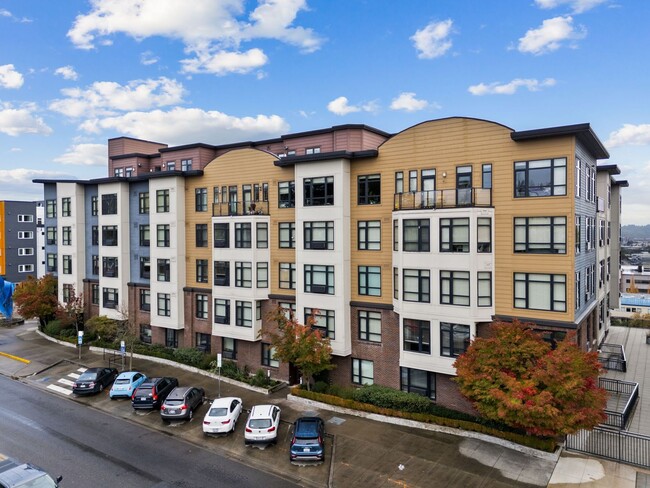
(308,443)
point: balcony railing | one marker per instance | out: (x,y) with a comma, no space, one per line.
(240,208)
(462,197)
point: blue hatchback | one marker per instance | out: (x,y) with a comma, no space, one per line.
(126,383)
(308,443)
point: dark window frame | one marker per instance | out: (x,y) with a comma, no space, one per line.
(527,225)
(326,227)
(318,191)
(423,241)
(522,176)
(369,189)
(366,241)
(451,335)
(453,279)
(448,237)
(419,337)
(313,270)
(366,333)
(365,273)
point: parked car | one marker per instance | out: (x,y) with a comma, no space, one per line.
(262,425)
(222,415)
(126,383)
(181,402)
(308,442)
(152,393)
(94,380)
(15,474)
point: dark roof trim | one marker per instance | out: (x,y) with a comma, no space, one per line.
(380,306)
(134,155)
(612,169)
(126,179)
(582,132)
(284,298)
(291,160)
(538,322)
(622,183)
(193,289)
(335,128)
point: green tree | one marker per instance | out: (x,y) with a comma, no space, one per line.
(37,298)
(515,377)
(102,326)
(70,313)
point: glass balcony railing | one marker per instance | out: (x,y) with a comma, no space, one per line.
(240,208)
(461,197)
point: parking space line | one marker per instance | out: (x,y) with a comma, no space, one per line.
(66,382)
(59,389)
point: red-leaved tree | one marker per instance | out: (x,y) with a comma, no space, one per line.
(37,298)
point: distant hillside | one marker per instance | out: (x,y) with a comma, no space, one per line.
(635,231)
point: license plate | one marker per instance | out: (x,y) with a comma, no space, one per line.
(172,412)
(305,449)
(143,399)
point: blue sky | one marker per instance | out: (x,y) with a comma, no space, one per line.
(75,73)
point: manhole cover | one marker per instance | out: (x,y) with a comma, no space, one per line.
(336,421)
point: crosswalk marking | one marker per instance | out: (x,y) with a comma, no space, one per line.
(74,375)
(66,382)
(59,389)
(81,370)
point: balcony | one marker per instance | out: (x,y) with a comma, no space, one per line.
(427,200)
(240,208)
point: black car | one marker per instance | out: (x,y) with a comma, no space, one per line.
(94,380)
(181,403)
(308,443)
(152,393)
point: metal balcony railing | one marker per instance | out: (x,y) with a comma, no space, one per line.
(240,208)
(432,199)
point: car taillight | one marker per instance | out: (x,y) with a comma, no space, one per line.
(205,422)
(133,396)
(272,429)
(248,429)
(320,440)
(293,441)
(225,421)
(154,395)
(183,407)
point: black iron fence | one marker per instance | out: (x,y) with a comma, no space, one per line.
(612,356)
(240,208)
(461,197)
(628,392)
(619,445)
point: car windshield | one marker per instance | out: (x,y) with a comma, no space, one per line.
(218,412)
(122,381)
(44,481)
(307,441)
(307,429)
(88,377)
(143,391)
(259,423)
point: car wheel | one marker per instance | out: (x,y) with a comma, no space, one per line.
(101,387)
(234,426)
(191,415)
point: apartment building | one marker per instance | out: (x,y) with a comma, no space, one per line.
(635,279)
(404,246)
(19,240)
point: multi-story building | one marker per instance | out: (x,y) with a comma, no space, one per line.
(635,279)
(19,240)
(404,246)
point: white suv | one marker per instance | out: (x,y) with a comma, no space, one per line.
(262,425)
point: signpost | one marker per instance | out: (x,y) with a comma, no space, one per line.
(219,370)
(122,352)
(80,341)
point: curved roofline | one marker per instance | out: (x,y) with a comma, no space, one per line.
(270,153)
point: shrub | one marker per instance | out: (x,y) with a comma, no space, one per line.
(207,361)
(260,379)
(189,356)
(320,387)
(346,392)
(384,397)
(53,328)
(101,326)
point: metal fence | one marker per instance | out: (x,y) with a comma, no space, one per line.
(612,356)
(627,391)
(619,445)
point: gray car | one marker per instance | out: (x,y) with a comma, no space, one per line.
(181,403)
(15,474)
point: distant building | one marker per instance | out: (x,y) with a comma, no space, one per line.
(632,303)
(635,279)
(19,246)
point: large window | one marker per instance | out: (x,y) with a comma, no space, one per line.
(50,235)
(67,264)
(484,295)
(66,236)
(243,274)
(417,285)
(541,178)
(51,262)
(145,333)
(201,199)
(109,204)
(145,300)
(288,276)
(370,280)
(243,314)
(369,235)
(319,191)
(319,235)
(262,235)
(484,234)
(145,238)
(287,233)
(201,270)
(418,381)
(222,235)
(221,311)
(145,267)
(109,267)
(417,336)
(162,235)
(242,234)
(201,231)
(363,372)
(416,235)
(536,291)
(268,356)
(369,326)
(369,189)
(66,207)
(540,235)
(454,287)
(94,264)
(454,235)
(164,304)
(454,339)
(222,273)
(109,235)
(162,201)
(143,202)
(110,297)
(323,320)
(286,194)
(229,348)
(262,275)
(50,209)
(319,279)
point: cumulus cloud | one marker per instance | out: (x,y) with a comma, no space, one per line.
(433,41)
(107,97)
(406,101)
(8,14)
(223,62)
(550,36)
(629,135)
(341,106)
(510,88)
(186,125)
(84,155)
(148,58)
(16,184)
(66,72)
(21,120)
(9,77)
(577,6)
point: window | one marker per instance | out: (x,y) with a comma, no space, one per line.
(29,268)
(601,233)
(164,304)
(201,306)
(186,165)
(578,176)
(312,150)
(171,338)
(288,276)
(484,289)
(129,171)
(50,235)
(262,275)
(536,291)
(109,267)
(588,182)
(484,234)
(145,333)
(243,274)
(201,199)
(454,339)
(319,279)
(67,264)
(66,236)
(262,235)
(222,235)
(202,271)
(578,237)
(110,297)
(369,189)
(145,267)
(66,207)
(318,191)
(395,235)
(541,178)
(369,326)
(229,348)
(94,206)
(319,235)
(109,204)
(268,356)
(363,372)
(201,235)
(287,233)
(428,181)
(601,274)
(454,287)
(286,194)
(164,270)
(163,235)
(321,320)
(51,262)
(25,234)
(94,294)
(145,238)
(95,264)
(243,314)
(67,292)
(242,234)
(203,342)
(589,233)
(50,209)
(454,235)
(143,202)
(417,336)
(145,300)
(399,182)
(418,381)
(288,308)
(413,181)
(416,235)
(396,283)
(109,235)
(222,273)
(162,201)
(487,176)
(369,235)
(94,235)
(540,235)
(370,280)
(589,279)
(417,285)
(119,172)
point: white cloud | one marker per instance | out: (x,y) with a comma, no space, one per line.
(84,155)
(223,62)
(16,149)
(107,97)
(186,125)
(147,58)
(66,72)
(9,77)
(406,101)
(550,36)
(510,88)
(629,135)
(16,184)
(433,41)
(4,13)
(17,121)
(340,106)
(577,6)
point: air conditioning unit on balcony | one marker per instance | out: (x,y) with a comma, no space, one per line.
(318,245)
(319,289)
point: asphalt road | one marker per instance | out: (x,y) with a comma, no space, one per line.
(92,449)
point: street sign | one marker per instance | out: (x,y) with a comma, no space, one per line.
(122,348)
(218,360)
(80,337)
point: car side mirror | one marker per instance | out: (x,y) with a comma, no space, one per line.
(59,479)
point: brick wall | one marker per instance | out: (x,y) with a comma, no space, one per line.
(448,395)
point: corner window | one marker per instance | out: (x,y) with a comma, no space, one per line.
(535,291)
(417,336)
(319,235)
(318,191)
(369,189)
(540,178)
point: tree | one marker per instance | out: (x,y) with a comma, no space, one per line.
(102,326)
(128,331)
(517,378)
(37,298)
(70,313)
(300,345)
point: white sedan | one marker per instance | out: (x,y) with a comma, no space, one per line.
(222,415)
